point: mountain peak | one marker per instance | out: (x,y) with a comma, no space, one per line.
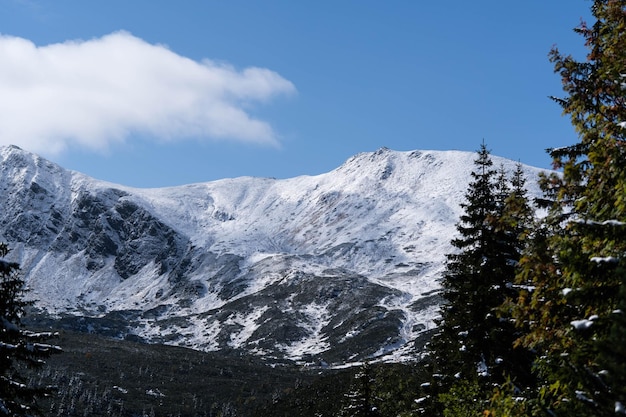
(13,148)
(341,266)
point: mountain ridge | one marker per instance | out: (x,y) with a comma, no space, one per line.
(339,266)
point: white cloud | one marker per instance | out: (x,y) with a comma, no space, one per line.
(96,92)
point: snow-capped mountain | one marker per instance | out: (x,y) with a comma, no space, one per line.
(339,266)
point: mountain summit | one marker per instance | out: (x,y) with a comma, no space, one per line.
(336,267)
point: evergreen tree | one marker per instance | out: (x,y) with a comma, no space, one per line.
(518,215)
(511,221)
(18,347)
(455,348)
(515,223)
(463,399)
(576,261)
(612,357)
(473,345)
(359,401)
(536,273)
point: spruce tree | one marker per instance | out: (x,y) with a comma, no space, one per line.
(516,222)
(455,348)
(473,345)
(576,261)
(359,401)
(19,348)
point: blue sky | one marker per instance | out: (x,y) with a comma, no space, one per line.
(155,93)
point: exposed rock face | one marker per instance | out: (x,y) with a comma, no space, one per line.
(338,267)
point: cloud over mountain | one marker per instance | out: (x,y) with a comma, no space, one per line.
(96,92)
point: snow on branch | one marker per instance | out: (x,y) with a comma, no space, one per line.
(611,222)
(7,346)
(43,348)
(12,382)
(584,324)
(40,335)
(606,259)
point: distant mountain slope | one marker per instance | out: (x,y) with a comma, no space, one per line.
(336,267)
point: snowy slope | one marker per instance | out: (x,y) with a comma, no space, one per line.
(339,266)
